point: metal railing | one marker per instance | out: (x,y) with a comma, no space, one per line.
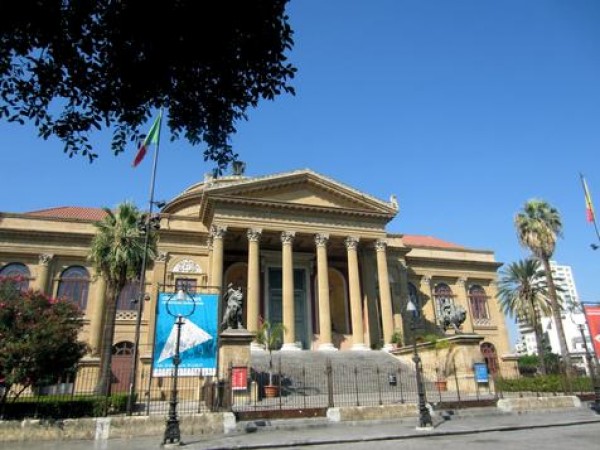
(306,387)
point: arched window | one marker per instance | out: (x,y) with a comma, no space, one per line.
(490,356)
(73,285)
(414,297)
(442,295)
(129,296)
(18,271)
(479,305)
(124,348)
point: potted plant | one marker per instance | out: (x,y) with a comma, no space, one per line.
(444,357)
(270,336)
(397,339)
(444,360)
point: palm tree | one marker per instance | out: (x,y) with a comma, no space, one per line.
(523,294)
(538,227)
(117,253)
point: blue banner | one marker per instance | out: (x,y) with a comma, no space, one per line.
(481,373)
(198,341)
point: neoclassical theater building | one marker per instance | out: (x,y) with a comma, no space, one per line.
(306,250)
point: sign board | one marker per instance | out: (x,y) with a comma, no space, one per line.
(198,341)
(239,378)
(481,373)
(592,316)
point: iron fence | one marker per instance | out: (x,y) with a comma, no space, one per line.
(311,388)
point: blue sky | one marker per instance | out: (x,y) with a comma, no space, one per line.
(463,109)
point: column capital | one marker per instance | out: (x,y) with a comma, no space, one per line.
(45,258)
(321,239)
(218,231)
(161,257)
(287,237)
(461,281)
(426,279)
(351,242)
(380,245)
(254,234)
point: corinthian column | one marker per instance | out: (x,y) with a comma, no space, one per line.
(97,315)
(253,279)
(41,282)
(324,306)
(289,336)
(355,303)
(385,298)
(218,233)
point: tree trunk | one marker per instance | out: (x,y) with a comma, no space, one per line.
(105,376)
(538,342)
(556,310)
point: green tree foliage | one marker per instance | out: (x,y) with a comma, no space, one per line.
(38,338)
(111,63)
(523,293)
(117,253)
(538,227)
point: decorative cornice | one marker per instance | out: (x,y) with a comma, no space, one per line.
(351,242)
(321,239)
(287,237)
(254,234)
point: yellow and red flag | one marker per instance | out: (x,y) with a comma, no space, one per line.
(589,207)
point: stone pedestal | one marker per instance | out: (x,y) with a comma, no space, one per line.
(234,350)
(461,352)
(234,353)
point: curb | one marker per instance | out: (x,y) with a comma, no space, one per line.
(404,436)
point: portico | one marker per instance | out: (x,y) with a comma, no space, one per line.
(296,244)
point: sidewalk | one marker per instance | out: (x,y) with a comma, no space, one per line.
(305,432)
(277,434)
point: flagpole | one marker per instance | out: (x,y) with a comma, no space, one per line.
(141,296)
(588,199)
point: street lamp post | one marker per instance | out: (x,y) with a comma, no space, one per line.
(172,434)
(425,421)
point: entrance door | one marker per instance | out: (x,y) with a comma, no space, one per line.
(275,302)
(122,353)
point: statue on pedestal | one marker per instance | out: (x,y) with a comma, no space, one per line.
(452,316)
(232,317)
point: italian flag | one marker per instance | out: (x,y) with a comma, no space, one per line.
(151,138)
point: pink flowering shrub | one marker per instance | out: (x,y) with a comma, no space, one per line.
(38,337)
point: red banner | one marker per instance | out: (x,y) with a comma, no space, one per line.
(239,378)
(592,314)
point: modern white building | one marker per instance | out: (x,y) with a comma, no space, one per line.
(565,283)
(572,320)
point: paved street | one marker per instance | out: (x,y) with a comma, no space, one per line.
(580,437)
(577,429)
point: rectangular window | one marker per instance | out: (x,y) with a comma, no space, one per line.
(186,284)
(479,307)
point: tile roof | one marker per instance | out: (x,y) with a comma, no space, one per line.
(70,212)
(415,240)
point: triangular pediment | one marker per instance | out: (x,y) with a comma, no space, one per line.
(298,190)
(302,188)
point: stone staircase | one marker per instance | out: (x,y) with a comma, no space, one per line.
(351,374)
